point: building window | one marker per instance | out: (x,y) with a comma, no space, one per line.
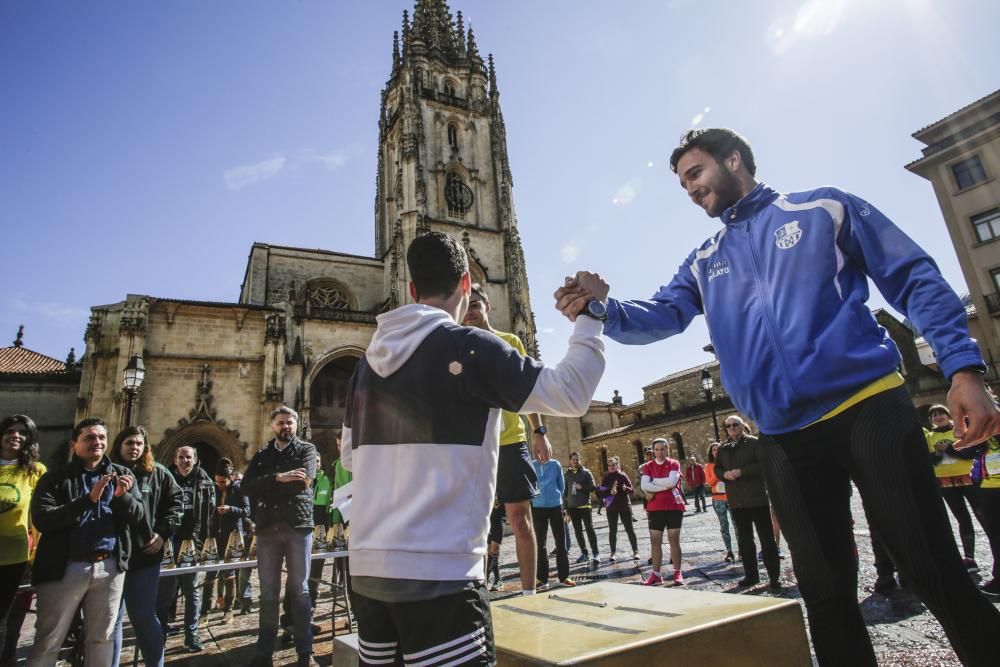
(458,196)
(987,225)
(666,402)
(968,172)
(995,277)
(449,89)
(604,460)
(453,136)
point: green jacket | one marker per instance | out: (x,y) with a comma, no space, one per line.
(341,476)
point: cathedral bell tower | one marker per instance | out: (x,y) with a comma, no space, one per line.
(443,166)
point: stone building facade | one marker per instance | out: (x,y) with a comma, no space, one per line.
(43,388)
(214,370)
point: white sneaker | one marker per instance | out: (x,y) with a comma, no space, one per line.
(612,557)
(596,558)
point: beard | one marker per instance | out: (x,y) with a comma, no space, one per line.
(727,192)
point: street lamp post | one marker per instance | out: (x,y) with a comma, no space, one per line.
(707,383)
(135,373)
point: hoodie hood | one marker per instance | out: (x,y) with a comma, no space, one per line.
(400,332)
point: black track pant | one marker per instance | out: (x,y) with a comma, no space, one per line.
(956,497)
(626,517)
(990,505)
(880,445)
(582,520)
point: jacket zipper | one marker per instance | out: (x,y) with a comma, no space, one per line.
(768,321)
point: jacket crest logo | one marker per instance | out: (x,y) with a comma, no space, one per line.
(455,368)
(788,235)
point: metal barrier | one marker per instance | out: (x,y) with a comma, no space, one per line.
(238,564)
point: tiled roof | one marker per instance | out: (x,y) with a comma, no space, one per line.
(954,113)
(673,376)
(610,432)
(22,361)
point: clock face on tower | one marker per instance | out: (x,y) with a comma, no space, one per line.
(458,195)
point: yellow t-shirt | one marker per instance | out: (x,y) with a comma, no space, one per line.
(512,430)
(16,487)
(991,463)
(949,465)
(884,383)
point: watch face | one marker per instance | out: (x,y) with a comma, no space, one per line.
(597,309)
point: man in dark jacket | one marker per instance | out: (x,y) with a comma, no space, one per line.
(198,494)
(738,465)
(86,511)
(279,479)
(579,487)
(694,476)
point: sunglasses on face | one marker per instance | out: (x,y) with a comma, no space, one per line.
(733,425)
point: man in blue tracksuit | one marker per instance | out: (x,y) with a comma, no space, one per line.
(783,287)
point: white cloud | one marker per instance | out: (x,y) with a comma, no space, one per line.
(246,175)
(331,161)
(569,253)
(815,18)
(548,330)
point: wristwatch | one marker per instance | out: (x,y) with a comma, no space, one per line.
(541,430)
(596,309)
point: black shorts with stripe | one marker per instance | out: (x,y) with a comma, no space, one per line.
(446,631)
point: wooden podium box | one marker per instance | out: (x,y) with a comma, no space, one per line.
(626,624)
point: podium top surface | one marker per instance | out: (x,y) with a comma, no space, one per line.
(570,625)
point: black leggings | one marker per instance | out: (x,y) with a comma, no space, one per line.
(880,445)
(990,506)
(955,497)
(545,517)
(626,516)
(580,516)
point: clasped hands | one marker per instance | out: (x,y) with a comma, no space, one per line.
(573,296)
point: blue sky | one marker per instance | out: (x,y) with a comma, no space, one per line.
(145,146)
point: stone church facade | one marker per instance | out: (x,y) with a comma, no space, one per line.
(303,318)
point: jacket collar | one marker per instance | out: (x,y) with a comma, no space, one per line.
(746,208)
(76,465)
(292,444)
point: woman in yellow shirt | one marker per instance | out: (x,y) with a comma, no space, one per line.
(954,473)
(989,501)
(19,473)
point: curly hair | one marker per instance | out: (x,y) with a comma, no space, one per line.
(717,142)
(28,454)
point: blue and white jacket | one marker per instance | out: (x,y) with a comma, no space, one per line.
(422,436)
(784,286)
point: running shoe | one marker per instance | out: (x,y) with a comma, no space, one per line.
(569,583)
(612,557)
(729,557)
(541,585)
(747,582)
(678,578)
(970,564)
(583,558)
(991,589)
(496,586)
(596,558)
(654,579)
(774,586)
(635,556)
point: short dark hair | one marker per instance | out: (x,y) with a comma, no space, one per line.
(284,410)
(146,463)
(576,454)
(224,468)
(478,290)
(437,262)
(87,423)
(717,142)
(28,455)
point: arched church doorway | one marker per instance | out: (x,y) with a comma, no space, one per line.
(208,456)
(328,404)
(208,439)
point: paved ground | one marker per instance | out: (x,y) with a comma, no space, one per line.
(903,631)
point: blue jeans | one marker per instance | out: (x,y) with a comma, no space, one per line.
(275,543)
(166,599)
(139,598)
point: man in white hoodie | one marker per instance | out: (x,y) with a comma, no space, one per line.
(421,436)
